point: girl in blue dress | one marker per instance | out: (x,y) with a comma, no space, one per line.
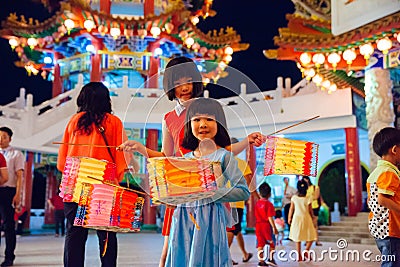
(198,233)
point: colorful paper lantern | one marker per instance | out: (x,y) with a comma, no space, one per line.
(285,156)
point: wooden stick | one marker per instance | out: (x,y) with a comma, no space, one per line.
(294,125)
(73,144)
(132,190)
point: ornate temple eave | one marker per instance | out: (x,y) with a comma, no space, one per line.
(287,38)
(221,38)
(72,9)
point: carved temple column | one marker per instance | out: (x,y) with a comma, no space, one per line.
(353,172)
(251,203)
(379,105)
(149,212)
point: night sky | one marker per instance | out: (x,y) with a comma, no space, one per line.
(256,21)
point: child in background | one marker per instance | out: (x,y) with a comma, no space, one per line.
(280,226)
(383,187)
(198,232)
(265,213)
(301,220)
(56,203)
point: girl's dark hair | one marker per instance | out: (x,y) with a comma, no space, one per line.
(265,190)
(302,187)
(178,68)
(94,99)
(307,179)
(278,214)
(385,139)
(210,107)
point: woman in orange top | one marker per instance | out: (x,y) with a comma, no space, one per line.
(94,112)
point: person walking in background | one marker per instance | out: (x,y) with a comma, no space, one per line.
(288,192)
(300,219)
(383,187)
(314,194)
(280,225)
(57,205)
(10,192)
(265,224)
(239,206)
(93,124)
(3,170)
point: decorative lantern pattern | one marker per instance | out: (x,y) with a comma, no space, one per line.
(285,156)
(181,180)
(106,207)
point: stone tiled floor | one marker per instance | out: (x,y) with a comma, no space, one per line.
(143,249)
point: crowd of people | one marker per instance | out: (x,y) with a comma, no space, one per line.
(196,129)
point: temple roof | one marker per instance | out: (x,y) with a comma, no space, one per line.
(309,32)
(175,23)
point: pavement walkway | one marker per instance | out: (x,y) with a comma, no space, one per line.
(143,249)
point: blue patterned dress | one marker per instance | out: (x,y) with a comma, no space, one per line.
(207,246)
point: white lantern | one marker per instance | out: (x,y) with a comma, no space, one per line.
(384,45)
(69,24)
(14,42)
(317,79)
(155,31)
(366,50)
(115,32)
(326,84)
(318,59)
(349,55)
(89,25)
(189,42)
(309,73)
(228,50)
(305,58)
(333,87)
(334,58)
(32,42)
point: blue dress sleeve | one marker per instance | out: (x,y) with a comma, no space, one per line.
(238,190)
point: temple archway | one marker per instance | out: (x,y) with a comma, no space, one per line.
(332,184)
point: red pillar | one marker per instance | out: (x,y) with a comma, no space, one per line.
(105,6)
(57,83)
(353,172)
(149,212)
(28,187)
(148,7)
(251,203)
(95,73)
(152,76)
(51,190)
